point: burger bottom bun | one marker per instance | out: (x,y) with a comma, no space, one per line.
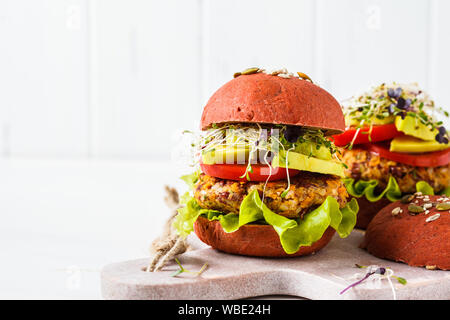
(410,239)
(252,240)
(368,210)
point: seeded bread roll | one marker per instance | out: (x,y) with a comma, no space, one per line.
(415,233)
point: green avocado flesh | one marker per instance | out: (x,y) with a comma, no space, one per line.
(295,160)
(413,145)
(222,155)
(413,127)
(312,149)
(305,163)
(239,153)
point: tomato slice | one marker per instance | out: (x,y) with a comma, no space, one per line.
(260,172)
(429,159)
(379,133)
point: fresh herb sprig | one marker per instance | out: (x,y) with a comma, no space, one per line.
(399,279)
(393,100)
(378,270)
(292,135)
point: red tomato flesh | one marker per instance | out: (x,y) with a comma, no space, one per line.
(379,133)
(260,172)
(429,159)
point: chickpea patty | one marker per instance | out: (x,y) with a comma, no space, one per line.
(306,192)
(365,165)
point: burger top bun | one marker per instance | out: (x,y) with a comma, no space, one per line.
(418,239)
(264,98)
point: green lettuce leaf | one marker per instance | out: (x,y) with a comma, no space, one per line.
(392,191)
(425,188)
(367,188)
(184,221)
(229,222)
(293,233)
(191,179)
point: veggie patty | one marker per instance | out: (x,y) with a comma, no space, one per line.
(365,165)
(306,192)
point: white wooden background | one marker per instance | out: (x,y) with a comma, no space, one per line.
(117,78)
(93,93)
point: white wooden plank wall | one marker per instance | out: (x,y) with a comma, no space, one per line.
(240,34)
(118,78)
(43,78)
(365,42)
(146,73)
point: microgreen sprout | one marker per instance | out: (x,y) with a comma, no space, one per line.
(285,192)
(399,279)
(182,269)
(372,270)
(385,101)
(358,282)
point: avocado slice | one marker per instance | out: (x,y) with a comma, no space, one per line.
(224,154)
(313,149)
(302,162)
(298,161)
(239,153)
(413,145)
(414,127)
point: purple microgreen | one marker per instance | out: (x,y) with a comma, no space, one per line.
(391,108)
(292,134)
(441,139)
(391,93)
(408,103)
(380,270)
(401,104)
(395,94)
(357,282)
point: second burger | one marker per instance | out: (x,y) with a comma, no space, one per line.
(395,145)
